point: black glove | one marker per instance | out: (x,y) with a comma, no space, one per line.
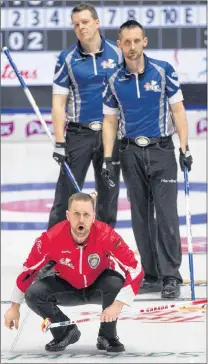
(108,172)
(59,153)
(185,159)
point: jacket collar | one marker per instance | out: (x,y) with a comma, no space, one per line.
(128,73)
(83,53)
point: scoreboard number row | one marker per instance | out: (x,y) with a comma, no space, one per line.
(18,41)
(110,17)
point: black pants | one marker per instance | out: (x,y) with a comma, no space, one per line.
(150,175)
(45,295)
(83,146)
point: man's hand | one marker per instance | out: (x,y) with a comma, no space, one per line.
(12,316)
(108,172)
(59,153)
(112,312)
(185,159)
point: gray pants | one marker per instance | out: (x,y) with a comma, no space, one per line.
(44,296)
(150,175)
(83,146)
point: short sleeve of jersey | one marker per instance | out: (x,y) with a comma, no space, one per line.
(110,104)
(61,81)
(173,89)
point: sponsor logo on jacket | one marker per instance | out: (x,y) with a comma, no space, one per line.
(66,261)
(110,63)
(152,86)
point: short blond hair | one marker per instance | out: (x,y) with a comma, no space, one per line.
(81,196)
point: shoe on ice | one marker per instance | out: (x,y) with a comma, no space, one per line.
(171,288)
(70,336)
(112,345)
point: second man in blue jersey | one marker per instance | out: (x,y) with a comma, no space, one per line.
(146,95)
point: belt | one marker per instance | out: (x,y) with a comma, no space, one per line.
(143,141)
(93,125)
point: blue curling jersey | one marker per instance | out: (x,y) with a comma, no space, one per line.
(143,100)
(81,76)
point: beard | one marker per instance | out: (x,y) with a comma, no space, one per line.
(80,234)
(133,56)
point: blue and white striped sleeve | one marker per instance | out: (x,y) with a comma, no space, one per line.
(61,81)
(173,88)
(110,104)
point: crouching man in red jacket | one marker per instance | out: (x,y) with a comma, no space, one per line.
(93,265)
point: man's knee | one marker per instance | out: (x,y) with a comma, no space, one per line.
(35,293)
(113,283)
(30,297)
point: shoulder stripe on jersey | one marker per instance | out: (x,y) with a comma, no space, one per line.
(117,50)
(56,75)
(162,109)
(122,122)
(175,82)
(71,107)
(76,97)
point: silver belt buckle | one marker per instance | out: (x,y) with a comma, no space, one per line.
(95,125)
(142,141)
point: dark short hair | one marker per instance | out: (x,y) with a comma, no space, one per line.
(129,24)
(81,196)
(85,6)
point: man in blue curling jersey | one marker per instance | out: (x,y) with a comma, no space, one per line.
(78,86)
(147,95)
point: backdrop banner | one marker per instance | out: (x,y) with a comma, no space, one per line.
(26,127)
(37,69)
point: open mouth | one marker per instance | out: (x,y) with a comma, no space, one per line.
(80,227)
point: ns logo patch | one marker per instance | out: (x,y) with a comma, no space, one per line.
(93,260)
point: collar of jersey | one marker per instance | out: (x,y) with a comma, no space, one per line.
(128,73)
(82,52)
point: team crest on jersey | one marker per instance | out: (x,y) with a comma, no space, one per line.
(93,260)
(66,261)
(108,64)
(152,86)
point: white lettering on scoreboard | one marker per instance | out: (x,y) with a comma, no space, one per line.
(110,16)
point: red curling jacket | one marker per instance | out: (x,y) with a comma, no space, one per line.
(82,265)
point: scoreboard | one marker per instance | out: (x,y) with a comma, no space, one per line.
(46,25)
